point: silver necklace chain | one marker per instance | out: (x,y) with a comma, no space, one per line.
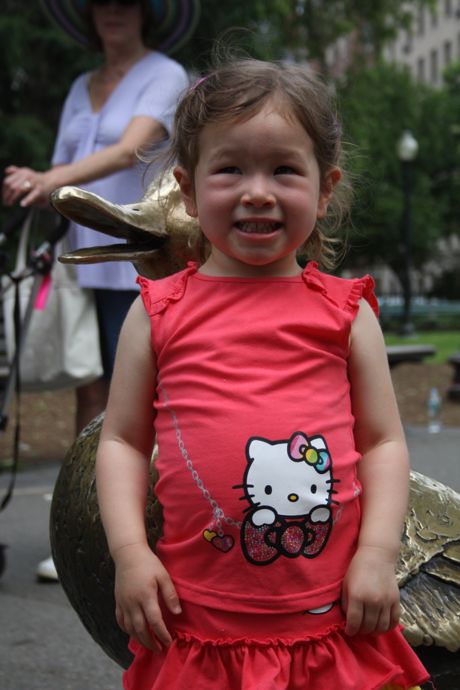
(217,512)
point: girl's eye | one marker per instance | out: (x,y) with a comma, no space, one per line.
(285,170)
(229,170)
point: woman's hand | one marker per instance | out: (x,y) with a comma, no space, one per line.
(370,593)
(32,187)
(139,580)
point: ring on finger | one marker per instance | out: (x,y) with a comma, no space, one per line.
(27,185)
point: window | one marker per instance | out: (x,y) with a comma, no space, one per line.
(407,43)
(421,69)
(447,53)
(421,21)
(434,18)
(434,69)
(448,8)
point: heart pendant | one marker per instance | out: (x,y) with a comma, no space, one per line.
(209,535)
(224,543)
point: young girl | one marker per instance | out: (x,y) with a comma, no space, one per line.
(283,470)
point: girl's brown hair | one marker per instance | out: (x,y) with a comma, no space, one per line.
(240,89)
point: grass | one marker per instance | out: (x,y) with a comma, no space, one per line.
(447,343)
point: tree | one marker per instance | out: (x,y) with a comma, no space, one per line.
(37,64)
(377,104)
(38,61)
(314,25)
(440,147)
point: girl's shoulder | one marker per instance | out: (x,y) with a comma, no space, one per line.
(157,294)
(345,293)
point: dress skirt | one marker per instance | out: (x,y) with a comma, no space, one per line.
(222,650)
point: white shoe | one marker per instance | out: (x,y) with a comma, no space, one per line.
(46,570)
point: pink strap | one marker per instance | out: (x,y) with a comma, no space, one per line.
(43,292)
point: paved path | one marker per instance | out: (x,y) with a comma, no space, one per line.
(43,644)
(436,455)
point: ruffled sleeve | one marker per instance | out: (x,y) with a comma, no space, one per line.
(157,294)
(345,293)
(362,288)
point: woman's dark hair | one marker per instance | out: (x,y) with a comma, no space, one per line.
(148,25)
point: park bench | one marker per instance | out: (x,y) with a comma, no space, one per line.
(453,392)
(397,354)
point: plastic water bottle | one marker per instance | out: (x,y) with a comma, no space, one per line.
(434,411)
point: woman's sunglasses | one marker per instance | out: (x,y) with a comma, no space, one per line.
(119,2)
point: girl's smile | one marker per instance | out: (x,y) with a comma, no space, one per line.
(257,193)
(258,226)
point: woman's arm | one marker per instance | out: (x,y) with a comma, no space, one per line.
(122,477)
(141,132)
(370,591)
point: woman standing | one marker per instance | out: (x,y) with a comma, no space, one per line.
(111,114)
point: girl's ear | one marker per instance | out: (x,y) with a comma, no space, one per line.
(333,176)
(186,188)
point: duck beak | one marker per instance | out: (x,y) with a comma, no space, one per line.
(160,238)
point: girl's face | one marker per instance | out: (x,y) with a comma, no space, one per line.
(117,23)
(257,193)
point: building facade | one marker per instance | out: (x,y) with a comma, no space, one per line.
(431,44)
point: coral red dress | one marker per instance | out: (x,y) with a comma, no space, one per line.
(258,483)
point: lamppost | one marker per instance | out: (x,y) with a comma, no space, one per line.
(407,150)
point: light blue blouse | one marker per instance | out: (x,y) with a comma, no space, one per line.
(151,87)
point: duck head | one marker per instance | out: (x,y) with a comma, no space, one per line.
(160,238)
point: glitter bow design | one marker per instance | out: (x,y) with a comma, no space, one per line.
(302,449)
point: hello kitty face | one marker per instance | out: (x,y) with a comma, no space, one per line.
(289,479)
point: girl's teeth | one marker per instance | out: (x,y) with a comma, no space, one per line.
(258,227)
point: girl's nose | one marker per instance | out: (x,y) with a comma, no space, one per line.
(258,194)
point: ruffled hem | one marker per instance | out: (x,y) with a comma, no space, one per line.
(333,661)
(268,642)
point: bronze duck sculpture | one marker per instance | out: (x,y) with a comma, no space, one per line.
(161,239)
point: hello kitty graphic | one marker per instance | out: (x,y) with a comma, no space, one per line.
(289,486)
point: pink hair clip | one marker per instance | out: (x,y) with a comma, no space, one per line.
(196,83)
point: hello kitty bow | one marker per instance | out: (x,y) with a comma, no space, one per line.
(311,450)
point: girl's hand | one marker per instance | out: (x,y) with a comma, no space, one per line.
(370,593)
(140,577)
(32,187)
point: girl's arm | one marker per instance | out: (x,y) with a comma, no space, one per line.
(370,592)
(141,132)
(122,478)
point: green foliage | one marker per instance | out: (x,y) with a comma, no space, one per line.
(447,285)
(376,105)
(310,26)
(258,28)
(440,148)
(272,29)
(38,63)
